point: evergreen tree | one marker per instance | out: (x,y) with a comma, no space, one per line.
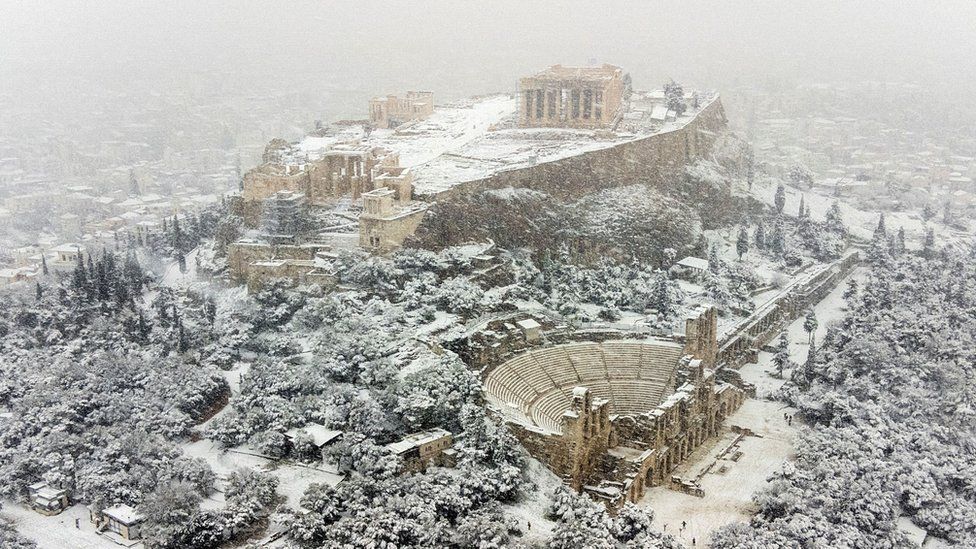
(80,275)
(38,291)
(121,290)
(181,261)
(661,298)
(701,246)
(44,268)
(778,244)
(802,211)
(760,236)
(91,273)
(927,212)
(742,243)
(810,323)
(834,220)
(880,232)
(177,235)
(713,261)
(809,367)
(782,357)
(779,201)
(182,344)
(928,246)
(878,250)
(799,176)
(133,184)
(892,246)
(675,96)
(900,246)
(144,327)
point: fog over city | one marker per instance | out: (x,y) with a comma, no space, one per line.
(462,48)
(487,274)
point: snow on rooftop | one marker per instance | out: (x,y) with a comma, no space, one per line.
(694,263)
(320,434)
(124,514)
(417,439)
(528,324)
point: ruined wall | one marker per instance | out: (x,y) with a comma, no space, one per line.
(701,336)
(385,234)
(264,181)
(241,255)
(766,324)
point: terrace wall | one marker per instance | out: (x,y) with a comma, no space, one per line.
(655,160)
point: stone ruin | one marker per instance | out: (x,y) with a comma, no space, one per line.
(614,417)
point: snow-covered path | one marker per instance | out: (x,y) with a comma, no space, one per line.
(860,222)
(173,278)
(829,310)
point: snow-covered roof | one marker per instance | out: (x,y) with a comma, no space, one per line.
(47,492)
(416,440)
(320,434)
(528,324)
(124,514)
(68,248)
(694,263)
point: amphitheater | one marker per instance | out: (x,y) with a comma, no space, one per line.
(535,388)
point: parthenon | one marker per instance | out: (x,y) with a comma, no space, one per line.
(572,97)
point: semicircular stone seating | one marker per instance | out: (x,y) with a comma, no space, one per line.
(535,387)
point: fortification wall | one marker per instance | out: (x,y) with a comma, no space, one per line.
(765,325)
(240,255)
(653,160)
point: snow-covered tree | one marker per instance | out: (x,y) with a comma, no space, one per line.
(760,236)
(779,200)
(675,97)
(810,323)
(799,176)
(742,242)
(834,220)
(781,357)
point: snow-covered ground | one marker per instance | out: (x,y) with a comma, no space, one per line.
(728,495)
(860,223)
(59,531)
(530,512)
(294,478)
(173,278)
(829,310)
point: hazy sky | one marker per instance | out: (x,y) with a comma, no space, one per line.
(461,47)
